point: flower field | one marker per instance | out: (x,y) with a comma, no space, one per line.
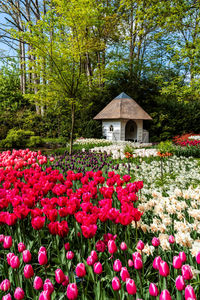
(91,227)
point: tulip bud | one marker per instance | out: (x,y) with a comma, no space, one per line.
(42,258)
(135,255)
(186,272)
(26,256)
(1,238)
(198,257)
(7,297)
(138,264)
(21,247)
(45,295)
(182,256)
(117,265)
(94,255)
(14,262)
(9,256)
(156,262)
(124,274)
(163,269)
(70,255)
(130,263)
(7,243)
(153,290)
(140,245)
(112,248)
(19,293)
(72,291)
(28,271)
(171,239)
(189,293)
(116,285)
(155,242)
(48,286)
(67,246)
(165,295)
(177,262)
(60,276)
(180,283)
(42,249)
(130,286)
(123,246)
(80,270)
(90,261)
(98,268)
(65,281)
(5,285)
(38,283)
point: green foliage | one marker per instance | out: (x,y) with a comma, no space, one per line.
(34,141)
(187,151)
(17,138)
(128,148)
(164,147)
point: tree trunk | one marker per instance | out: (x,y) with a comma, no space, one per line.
(72,128)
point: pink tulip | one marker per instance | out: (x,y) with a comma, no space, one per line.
(163,269)
(7,297)
(98,268)
(45,295)
(155,242)
(130,263)
(112,248)
(189,293)
(19,293)
(156,262)
(138,264)
(198,257)
(48,286)
(116,285)
(140,245)
(14,262)
(70,255)
(123,246)
(177,262)
(1,238)
(171,239)
(7,243)
(80,270)
(21,247)
(117,265)
(59,275)
(153,290)
(124,274)
(26,256)
(67,246)
(28,271)
(186,272)
(72,291)
(180,283)
(38,283)
(130,286)
(65,281)
(90,261)
(5,285)
(182,256)
(165,295)
(9,256)
(42,258)
(136,254)
(94,255)
(42,249)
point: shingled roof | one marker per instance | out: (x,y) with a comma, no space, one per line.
(123,107)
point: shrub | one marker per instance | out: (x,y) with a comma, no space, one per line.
(17,138)
(35,141)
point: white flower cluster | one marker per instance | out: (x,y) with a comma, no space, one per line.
(194,137)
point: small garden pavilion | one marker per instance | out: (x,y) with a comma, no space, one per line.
(122,120)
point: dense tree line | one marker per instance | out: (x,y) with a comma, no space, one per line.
(75,56)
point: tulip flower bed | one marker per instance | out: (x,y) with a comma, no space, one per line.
(69,235)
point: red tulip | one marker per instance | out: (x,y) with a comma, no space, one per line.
(140,245)
(156,262)
(67,246)
(48,286)
(123,246)
(45,295)
(130,263)
(163,269)
(189,293)
(94,255)
(42,258)
(138,264)
(177,262)
(59,275)
(117,265)
(14,262)
(198,257)
(153,290)
(5,285)
(70,255)
(9,256)
(7,297)
(180,283)
(124,274)
(72,291)
(182,256)
(130,286)
(38,222)
(136,254)
(26,256)
(186,272)
(112,248)
(42,249)
(21,247)
(66,281)
(7,243)
(80,270)
(116,285)
(28,271)
(38,283)
(165,295)
(19,293)
(1,238)
(171,239)
(97,268)
(90,261)
(155,242)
